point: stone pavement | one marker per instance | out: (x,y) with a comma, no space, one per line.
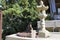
(54,36)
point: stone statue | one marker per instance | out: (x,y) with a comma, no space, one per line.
(42,15)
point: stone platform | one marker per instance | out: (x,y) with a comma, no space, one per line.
(54,36)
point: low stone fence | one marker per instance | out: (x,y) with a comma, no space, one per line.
(51,24)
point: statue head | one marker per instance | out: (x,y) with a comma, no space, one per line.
(41,2)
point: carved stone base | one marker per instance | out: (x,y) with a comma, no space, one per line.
(44,33)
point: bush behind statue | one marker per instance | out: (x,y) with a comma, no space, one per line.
(17,15)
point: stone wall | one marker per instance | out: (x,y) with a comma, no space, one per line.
(51,25)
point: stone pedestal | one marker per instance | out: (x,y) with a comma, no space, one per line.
(44,33)
(33,33)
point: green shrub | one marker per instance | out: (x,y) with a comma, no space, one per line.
(17,14)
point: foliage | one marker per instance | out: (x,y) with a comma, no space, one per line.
(48,17)
(17,14)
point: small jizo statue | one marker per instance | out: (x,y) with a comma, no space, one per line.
(33,32)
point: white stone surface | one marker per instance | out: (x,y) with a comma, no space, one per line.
(54,36)
(47,24)
(57,23)
(50,23)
